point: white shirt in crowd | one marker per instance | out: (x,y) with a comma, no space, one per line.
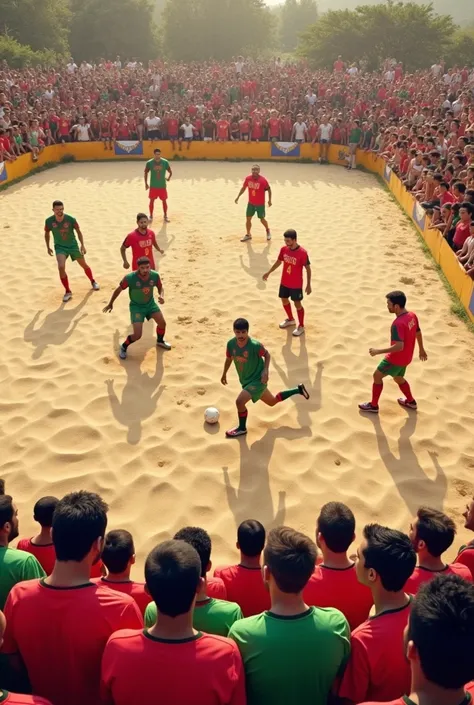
(436,70)
(85,67)
(447,79)
(132,65)
(118,63)
(353,71)
(389,75)
(311,98)
(49,95)
(457,107)
(325,131)
(71,67)
(446,104)
(300,130)
(153,123)
(239,65)
(188,131)
(82,132)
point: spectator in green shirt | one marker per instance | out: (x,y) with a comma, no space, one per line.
(15,565)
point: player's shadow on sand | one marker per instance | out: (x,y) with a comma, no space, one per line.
(139,396)
(414,486)
(162,237)
(253,497)
(258,263)
(57,327)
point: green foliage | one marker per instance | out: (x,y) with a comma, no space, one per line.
(18,55)
(42,24)
(295,16)
(461,50)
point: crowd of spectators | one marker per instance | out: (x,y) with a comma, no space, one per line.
(296,620)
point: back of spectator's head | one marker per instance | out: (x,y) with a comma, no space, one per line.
(385,557)
(79,524)
(438,178)
(43,511)
(173,577)
(119,551)
(459,187)
(469,195)
(289,558)
(251,538)
(8,518)
(335,527)
(443,184)
(432,531)
(396,299)
(440,632)
(200,541)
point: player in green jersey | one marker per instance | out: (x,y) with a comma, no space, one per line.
(252,362)
(141,285)
(157,168)
(63,227)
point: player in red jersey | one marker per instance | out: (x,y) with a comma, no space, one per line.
(142,241)
(257,185)
(431,534)
(171,662)
(41,545)
(405,332)
(244,582)
(294,259)
(438,645)
(466,552)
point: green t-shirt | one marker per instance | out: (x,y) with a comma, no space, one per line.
(16,566)
(212,616)
(157,172)
(63,231)
(355,135)
(292,659)
(141,290)
(248,360)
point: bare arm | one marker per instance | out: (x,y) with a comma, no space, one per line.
(123,252)
(146,177)
(242,190)
(47,236)
(396,347)
(269,196)
(80,238)
(421,349)
(266,367)
(274,266)
(157,247)
(227,364)
(110,305)
(168,169)
(161,292)
(308,279)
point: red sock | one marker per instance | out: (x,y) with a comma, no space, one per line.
(289,312)
(376,392)
(160,332)
(405,388)
(152,207)
(65,283)
(88,273)
(300,312)
(165,207)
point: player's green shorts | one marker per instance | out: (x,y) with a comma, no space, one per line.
(255,389)
(73,253)
(259,210)
(386,368)
(140,312)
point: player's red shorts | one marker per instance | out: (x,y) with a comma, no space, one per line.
(160,193)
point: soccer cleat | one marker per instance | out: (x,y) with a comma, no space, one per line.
(67,296)
(166,219)
(287,323)
(408,404)
(236,432)
(122,352)
(303,391)
(269,235)
(368,407)
(95,286)
(299,330)
(246,238)
(163,344)
(150,219)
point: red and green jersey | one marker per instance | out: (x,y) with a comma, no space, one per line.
(404,329)
(293,263)
(248,360)
(211,616)
(246,587)
(257,187)
(141,289)
(157,172)
(63,230)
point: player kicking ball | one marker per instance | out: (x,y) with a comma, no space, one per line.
(141,286)
(294,259)
(64,228)
(252,362)
(405,332)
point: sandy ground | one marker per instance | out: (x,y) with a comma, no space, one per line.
(72,415)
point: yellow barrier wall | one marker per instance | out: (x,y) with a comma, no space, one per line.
(248,151)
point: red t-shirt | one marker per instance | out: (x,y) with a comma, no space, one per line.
(377,668)
(461,234)
(274,127)
(172,127)
(466,557)
(244,126)
(46,555)
(61,634)
(424,575)
(246,587)
(222,129)
(204,670)
(7,698)
(447,197)
(330,587)
(216,588)
(63,127)
(142,246)
(132,588)
(404,328)
(293,263)
(257,187)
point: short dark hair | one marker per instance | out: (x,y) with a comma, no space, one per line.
(143,260)
(141,215)
(44,509)
(390,553)
(251,537)
(336,523)
(441,627)
(172,575)
(200,540)
(241,324)
(397,298)
(292,234)
(57,203)
(460,186)
(436,529)
(157,151)
(79,519)
(118,549)
(2,486)
(6,509)
(290,557)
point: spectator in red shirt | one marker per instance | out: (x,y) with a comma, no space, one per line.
(431,534)
(466,552)
(463,228)
(42,545)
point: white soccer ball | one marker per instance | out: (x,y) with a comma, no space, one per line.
(211,415)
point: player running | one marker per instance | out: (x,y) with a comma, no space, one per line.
(158,167)
(294,259)
(62,227)
(142,241)
(252,362)
(257,186)
(141,285)
(405,332)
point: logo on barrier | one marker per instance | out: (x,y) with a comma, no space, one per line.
(285,149)
(3,171)
(128,148)
(343,155)
(386,174)
(419,215)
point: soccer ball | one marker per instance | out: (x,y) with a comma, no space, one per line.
(211,415)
